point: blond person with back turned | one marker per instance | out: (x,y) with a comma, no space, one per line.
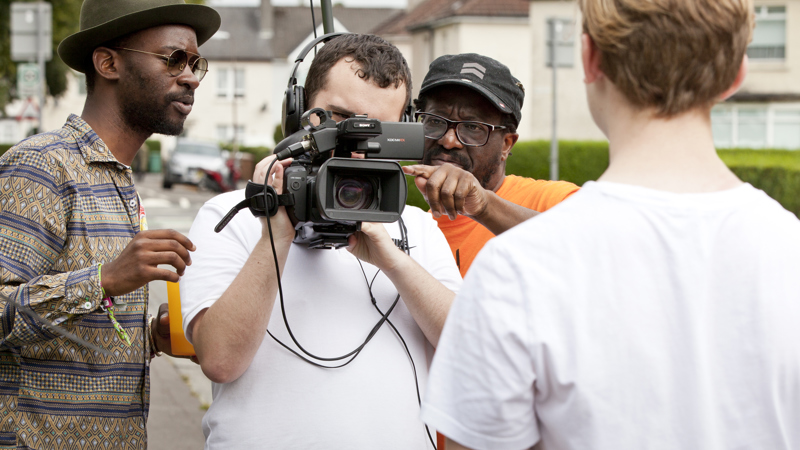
(655,308)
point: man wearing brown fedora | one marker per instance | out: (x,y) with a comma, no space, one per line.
(75,253)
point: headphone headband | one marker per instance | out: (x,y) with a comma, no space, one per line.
(294,98)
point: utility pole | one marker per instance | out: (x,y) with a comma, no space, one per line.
(554,31)
(327,17)
(40,58)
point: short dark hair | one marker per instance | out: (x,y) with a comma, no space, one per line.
(506,120)
(379,61)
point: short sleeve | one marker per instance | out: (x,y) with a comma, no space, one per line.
(430,248)
(219,257)
(480,390)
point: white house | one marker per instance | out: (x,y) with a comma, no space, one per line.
(764,113)
(496,28)
(250,58)
(252,54)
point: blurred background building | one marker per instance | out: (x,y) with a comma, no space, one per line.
(251,56)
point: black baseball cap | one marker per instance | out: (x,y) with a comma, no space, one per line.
(489,77)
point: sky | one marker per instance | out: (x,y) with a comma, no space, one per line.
(351,3)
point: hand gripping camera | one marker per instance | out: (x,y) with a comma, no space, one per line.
(327,193)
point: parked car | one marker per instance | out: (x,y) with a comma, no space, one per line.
(191,161)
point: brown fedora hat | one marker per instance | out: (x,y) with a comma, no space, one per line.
(104,20)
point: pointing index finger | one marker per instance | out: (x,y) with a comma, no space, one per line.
(419,170)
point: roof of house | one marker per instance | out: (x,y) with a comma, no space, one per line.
(430,11)
(239,35)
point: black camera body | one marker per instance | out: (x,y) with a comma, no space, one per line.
(332,192)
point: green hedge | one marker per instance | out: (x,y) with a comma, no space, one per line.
(578,162)
(776,172)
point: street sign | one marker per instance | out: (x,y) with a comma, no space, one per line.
(29,110)
(560,42)
(31,31)
(28,80)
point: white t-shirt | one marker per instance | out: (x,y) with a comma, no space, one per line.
(628,318)
(282,402)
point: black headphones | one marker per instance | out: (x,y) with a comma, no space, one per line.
(294,100)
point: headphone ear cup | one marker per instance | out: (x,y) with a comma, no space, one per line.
(293,109)
(300,101)
(286,109)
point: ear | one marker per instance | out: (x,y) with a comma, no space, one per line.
(737,83)
(106,61)
(508,142)
(590,55)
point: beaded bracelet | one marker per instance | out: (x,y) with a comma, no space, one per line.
(107,305)
(100,279)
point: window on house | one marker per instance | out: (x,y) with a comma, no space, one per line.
(225,133)
(722,127)
(230,83)
(756,126)
(752,127)
(769,36)
(786,130)
(564,32)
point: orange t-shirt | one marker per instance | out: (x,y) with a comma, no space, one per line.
(467,237)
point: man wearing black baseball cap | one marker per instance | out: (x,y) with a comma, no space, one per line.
(76,341)
(470,106)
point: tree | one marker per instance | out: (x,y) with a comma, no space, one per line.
(66,17)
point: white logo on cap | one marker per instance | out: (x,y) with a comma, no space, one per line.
(473,68)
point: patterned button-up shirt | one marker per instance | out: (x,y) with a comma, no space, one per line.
(66,206)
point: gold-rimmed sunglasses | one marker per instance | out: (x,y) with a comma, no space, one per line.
(178,60)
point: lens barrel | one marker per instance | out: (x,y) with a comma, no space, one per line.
(356,193)
(359,190)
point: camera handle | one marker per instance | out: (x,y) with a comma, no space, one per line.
(262,200)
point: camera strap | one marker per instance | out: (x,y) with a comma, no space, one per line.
(261,199)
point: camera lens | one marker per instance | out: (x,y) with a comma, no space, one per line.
(354,193)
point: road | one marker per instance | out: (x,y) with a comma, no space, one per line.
(180,393)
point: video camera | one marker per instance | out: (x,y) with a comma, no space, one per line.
(326,192)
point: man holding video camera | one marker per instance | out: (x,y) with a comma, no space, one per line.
(470,106)
(332,307)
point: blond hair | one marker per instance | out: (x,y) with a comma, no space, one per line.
(670,55)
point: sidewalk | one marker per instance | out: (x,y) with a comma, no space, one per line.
(175,414)
(175,411)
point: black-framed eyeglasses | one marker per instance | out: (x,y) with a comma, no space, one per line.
(469,132)
(178,60)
